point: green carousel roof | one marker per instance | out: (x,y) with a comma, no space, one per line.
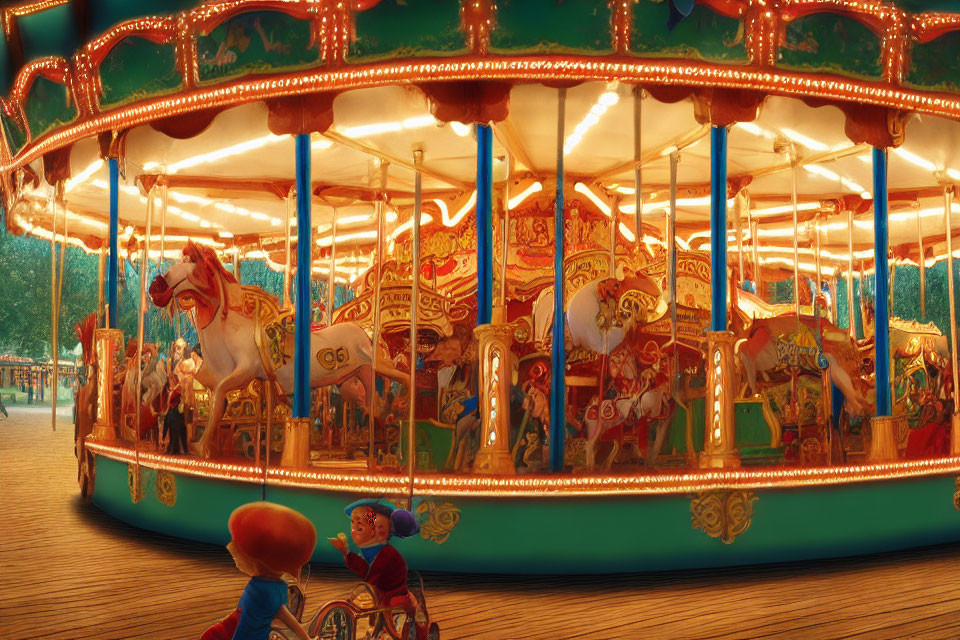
(82,74)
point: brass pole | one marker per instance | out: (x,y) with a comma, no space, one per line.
(290,201)
(142,311)
(637,168)
(506,247)
(381,212)
(754,231)
(948,223)
(743,202)
(331,278)
(671,229)
(53,298)
(923,267)
(851,318)
(101,270)
(794,165)
(59,199)
(414,310)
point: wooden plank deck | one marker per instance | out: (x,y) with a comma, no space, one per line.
(68,571)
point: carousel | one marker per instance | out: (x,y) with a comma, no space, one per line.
(592,286)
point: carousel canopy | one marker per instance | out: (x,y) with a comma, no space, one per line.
(196,107)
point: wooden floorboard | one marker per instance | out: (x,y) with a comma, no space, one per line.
(70,572)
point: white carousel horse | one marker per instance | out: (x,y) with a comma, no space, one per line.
(583,310)
(231,358)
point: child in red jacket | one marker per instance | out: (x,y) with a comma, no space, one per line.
(372,523)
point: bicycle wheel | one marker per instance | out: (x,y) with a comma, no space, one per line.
(335,623)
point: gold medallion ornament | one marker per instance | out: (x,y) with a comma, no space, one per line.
(166,488)
(135,482)
(956,495)
(723,514)
(437,520)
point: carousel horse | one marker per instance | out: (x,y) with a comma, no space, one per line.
(601,314)
(228,341)
(644,398)
(773,344)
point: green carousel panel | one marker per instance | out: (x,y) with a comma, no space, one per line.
(831,43)
(15,134)
(406,28)
(173,504)
(48,105)
(936,65)
(255,42)
(614,535)
(546,26)
(703,35)
(51,32)
(136,69)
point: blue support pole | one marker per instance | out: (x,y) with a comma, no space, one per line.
(718,228)
(558,360)
(484,224)
(113,263)
(882,288)
(301,354)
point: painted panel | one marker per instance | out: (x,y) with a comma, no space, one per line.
(408,28)
(255,42)
(15,134)
(936,65)
(200,512)
(550,26)
(831,43)
(48,106)
(136,69)
(703,35)
(51,32)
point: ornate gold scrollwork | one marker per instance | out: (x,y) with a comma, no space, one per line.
(437,520)
(956,495)
(135,482)
(166,488)
(723,514)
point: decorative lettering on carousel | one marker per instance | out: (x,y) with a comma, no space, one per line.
(791,353)
(330,358)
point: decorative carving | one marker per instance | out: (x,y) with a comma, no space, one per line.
(956,495)
(883,442)
(718,449)
(166,488)
(437,520)
(494,455)
(723,514)
(107,343)
(135,482)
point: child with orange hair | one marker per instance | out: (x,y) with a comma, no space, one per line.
(268,541)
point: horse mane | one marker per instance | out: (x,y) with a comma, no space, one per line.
(207,261)
(84,331)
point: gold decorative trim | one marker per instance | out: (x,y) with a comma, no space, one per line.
(723,514)
(956,495)
(438,519)
(135,482)
(534,486)
(166,488)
